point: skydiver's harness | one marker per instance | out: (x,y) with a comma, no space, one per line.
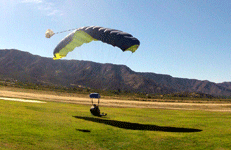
(94,108)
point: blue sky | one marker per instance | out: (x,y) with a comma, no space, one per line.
(181,38)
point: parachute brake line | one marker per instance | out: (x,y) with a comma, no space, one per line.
(112,76)
(49,33)
(128,58)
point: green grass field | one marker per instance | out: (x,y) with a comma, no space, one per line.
(68,126)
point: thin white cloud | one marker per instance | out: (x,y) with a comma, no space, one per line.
(54,12)
(31,1)
(47,8)
(50,9)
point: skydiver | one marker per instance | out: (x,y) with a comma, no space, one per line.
(95,111)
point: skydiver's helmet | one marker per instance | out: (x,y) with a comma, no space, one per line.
(95,110)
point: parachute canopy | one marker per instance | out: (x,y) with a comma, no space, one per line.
(94,95)
(122,40)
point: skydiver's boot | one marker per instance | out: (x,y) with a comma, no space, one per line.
(103,114)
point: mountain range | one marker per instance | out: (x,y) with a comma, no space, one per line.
(26,67)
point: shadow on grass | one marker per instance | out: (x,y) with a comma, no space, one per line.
(83,130)
(137,126)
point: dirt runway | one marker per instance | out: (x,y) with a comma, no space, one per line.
(224,107)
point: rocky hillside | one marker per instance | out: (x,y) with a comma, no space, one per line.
(25,67)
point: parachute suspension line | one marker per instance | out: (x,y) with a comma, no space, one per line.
(108,53)
(114,58)
(102,58)
(80,54)
(92,101)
